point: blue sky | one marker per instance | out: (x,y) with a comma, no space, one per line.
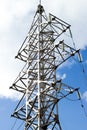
(72,115)
(15,19)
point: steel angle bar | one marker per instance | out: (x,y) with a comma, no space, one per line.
(62,61)
(23,44)
(59,20)
(19,102)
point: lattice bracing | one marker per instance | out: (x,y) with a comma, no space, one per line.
(43,54)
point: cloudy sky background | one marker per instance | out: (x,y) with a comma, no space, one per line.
(15,19)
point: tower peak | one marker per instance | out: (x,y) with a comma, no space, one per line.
(40,9)
(40,2)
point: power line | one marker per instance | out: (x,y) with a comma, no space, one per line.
(20,126)
(83,72)
(72,38)
(85,77)
(82,105)
(14,124)
(80,61)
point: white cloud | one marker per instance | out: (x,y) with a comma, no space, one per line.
(84,96)
(67,64)
(8,72)
(59,76)
(74,12)
(8,94)
(16,15)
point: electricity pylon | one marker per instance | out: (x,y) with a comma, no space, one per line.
(42,53)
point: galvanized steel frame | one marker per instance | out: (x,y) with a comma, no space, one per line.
(37,80)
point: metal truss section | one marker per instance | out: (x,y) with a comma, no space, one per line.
(20,83)
(50,96)
(43,54)
(50,53)
(51,28)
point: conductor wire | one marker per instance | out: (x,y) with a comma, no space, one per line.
(85,112)
(14,124)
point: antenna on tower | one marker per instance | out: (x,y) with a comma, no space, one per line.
(40,2)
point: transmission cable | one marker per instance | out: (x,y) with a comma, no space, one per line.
(83,72)
(71,99)
(80,61)
(79,99)
(20,126)
(71,36)
(82,105)
(85,76)
(14,124)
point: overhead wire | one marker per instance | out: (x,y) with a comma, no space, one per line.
(84,73)
(83,70)
(71,99)
(20,126)
(85,77)
(84,109)
(72,38)
(79,56)
(79,99)
(14,124)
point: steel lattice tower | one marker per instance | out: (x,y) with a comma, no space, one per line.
(42,53)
